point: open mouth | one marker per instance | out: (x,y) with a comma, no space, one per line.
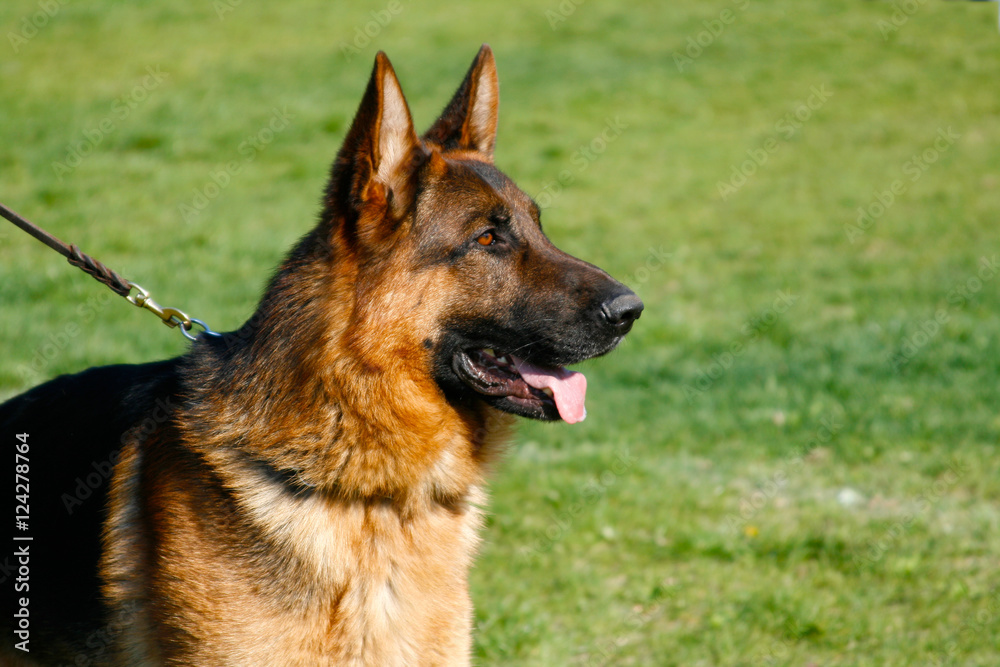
(538,391)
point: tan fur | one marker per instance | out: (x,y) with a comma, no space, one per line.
(367,564)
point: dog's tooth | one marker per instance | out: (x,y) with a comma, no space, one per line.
(548,392)
(489,351)
(503,359)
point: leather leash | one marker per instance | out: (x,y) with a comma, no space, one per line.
(172,317)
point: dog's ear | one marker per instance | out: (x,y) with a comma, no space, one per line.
(381,150)
(469,122)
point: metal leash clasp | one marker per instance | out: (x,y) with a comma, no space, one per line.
(172,317)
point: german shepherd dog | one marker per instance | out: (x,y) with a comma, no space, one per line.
(308,490)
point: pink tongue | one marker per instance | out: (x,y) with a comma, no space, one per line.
(569,388)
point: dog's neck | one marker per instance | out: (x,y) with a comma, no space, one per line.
(333,409)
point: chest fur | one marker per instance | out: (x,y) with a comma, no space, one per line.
(294,578)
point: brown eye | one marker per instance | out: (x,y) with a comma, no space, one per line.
(486,238)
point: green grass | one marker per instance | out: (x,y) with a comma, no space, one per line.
(801,501)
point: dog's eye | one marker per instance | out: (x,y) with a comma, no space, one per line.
(486,238)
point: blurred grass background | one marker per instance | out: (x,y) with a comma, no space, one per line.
(793,459)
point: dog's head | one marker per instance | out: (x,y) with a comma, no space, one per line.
(452,271)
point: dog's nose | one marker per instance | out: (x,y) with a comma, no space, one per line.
(621,311)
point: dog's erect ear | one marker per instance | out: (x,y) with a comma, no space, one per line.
(469,122)
(381,149)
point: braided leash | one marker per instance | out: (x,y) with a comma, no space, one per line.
(120,286)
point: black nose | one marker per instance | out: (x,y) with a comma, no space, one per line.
(621,311)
